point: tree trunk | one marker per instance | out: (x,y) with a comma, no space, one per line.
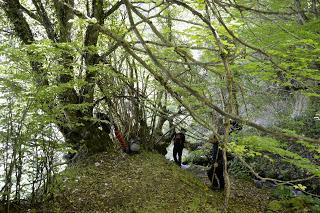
(302,18)
(315,8)
(76,126)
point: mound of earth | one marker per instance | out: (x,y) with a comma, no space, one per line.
(146,182)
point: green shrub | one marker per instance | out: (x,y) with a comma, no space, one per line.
(238,170)
(200,157)
(282,192)
(295,204)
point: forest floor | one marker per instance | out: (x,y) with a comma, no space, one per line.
(145,182)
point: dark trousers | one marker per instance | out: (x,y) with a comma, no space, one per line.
(216,175)
(218,180)
(177,150)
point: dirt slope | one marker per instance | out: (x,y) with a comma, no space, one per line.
(116,182)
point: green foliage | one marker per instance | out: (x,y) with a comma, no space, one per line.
(300,187)
(288,202)
(238,170)
(295,204)
(295,48)
(306,124)
(200,156)
(74,86)
(282,192)
(270,145)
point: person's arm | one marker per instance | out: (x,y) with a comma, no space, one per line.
(183,138)
(174,136)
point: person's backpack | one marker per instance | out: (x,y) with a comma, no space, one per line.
(134,144)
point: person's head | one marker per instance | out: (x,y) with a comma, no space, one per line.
(214,139)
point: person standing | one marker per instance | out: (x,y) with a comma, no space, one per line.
(215,173)
(178,144)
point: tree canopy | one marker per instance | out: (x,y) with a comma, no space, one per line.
(71,69)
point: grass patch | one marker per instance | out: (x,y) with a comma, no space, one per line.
(147,182)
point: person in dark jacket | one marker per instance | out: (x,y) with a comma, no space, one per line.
(178,144)
(235,126)
(215,173)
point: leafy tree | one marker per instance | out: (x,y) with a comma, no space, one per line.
(149,62)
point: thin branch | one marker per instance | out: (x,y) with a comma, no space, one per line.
(31,14)
(184,21)
(176,46)
(246,8)
(195,63)
(152,8)
(204,100)
(112,9)
(276,181)
(45,20)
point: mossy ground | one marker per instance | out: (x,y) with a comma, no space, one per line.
(146,182)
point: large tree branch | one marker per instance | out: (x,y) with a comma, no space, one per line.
(175,46)
(276,181)
(64,15)
(184,60)
(251,9)
(204,100)
(31,14)
(21,26)
(23,30)
(158,77)
(180,51)
(112,9)
(184,21)
(45,20)
(91,57)
(301,15)
(207,102)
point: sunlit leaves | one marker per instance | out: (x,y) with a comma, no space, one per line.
(269,145)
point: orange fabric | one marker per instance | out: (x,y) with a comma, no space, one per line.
(123,143)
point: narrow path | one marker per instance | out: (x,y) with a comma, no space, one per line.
(199,171)
(240,189)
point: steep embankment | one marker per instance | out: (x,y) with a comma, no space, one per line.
(115,182)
